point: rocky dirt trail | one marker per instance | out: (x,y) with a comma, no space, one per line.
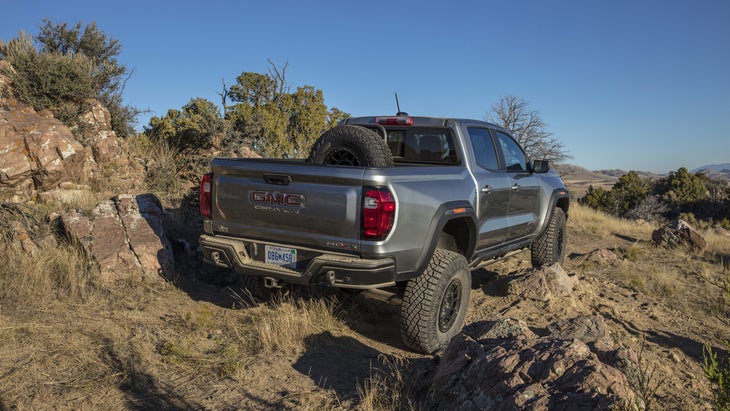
(655,304)
(535,340)
(660,304)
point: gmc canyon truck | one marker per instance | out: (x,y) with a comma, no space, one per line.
(413,204)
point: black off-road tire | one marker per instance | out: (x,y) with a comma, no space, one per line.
(349,145)
(435,303)
(549,247)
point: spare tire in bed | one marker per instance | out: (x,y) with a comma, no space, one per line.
(349,145)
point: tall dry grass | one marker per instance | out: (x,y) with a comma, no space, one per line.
(36,265)
(163,166)
(602,224)
(59,271)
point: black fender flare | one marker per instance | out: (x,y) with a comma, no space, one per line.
(446,212)
(558,198)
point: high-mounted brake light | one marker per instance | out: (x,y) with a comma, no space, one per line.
(206,195)
(378,213)
(394,121)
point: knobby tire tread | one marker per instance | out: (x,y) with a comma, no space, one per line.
(422,299)
(544,248)
(368,146)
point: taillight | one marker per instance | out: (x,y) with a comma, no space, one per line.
(394,121)
(378,213)
(206,197)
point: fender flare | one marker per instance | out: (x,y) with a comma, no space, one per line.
(558,198)
(446,212)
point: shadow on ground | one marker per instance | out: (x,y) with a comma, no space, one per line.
(142,391)
(337,363)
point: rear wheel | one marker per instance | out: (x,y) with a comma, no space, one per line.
(435,303)
(351,146)
(549,247)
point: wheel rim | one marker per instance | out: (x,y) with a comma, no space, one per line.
(341,156)
(450,303)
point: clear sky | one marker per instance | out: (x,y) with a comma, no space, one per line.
(636,85)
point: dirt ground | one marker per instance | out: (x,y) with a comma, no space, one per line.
(198,342)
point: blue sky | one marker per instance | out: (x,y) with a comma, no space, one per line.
(636,85)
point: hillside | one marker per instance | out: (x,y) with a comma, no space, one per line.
(199,342)
(715,171)
(106,304)
(577,179)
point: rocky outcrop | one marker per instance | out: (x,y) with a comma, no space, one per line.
(37,151)
(503,365)
(601,256)
(543,284)
(124,236)
(96,132)
(680,234)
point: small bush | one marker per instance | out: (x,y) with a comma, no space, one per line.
(717,371)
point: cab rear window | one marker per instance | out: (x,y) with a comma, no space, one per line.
(425,145)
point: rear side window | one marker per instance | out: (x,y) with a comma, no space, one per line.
(427,145)
(514,158)
(484,153)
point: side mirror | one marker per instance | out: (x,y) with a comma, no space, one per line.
(540,166)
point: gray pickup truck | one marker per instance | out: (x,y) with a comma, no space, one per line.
(408,203)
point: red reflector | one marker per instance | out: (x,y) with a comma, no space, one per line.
(378,213)
(394,121)
(206,195)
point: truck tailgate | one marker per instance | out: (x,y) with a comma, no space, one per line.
(287,201)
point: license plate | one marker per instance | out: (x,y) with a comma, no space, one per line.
(286,257)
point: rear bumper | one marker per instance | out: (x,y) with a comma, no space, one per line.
(338,270)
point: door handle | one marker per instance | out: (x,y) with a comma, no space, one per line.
(277,179)
(486,189)
(515,187)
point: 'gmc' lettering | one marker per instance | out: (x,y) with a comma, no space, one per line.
(274,198)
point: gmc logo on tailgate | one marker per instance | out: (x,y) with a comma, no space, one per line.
(276,199)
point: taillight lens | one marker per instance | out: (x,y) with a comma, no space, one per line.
(394,121)
(378,213)
(206,197)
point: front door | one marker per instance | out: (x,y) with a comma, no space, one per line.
(524,188)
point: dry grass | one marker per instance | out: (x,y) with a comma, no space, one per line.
(55,271)
(67,343)
(283,327)
(387,388)
(163,167)
(604,225)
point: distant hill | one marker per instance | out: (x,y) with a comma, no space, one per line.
(713,167)
(577,179)
(618,173)
(716,171)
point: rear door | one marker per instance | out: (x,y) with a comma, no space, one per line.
(524,187)
(493,189)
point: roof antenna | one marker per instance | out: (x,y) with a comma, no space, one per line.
(400,113)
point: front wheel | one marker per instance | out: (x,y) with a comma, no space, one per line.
(435,303)
(549,247)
